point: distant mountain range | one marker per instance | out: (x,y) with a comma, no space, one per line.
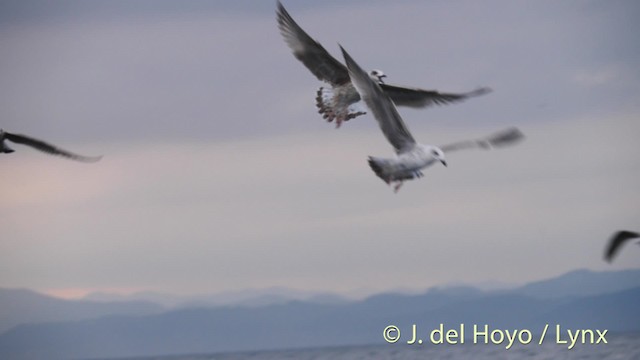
(20,306)
(582,283)
(249,298)
(89,329)
(575,283)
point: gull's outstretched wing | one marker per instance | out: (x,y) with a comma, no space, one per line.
(502,138)
(324,66)
(48,148)
(419,98)
(616,242)
(381,106)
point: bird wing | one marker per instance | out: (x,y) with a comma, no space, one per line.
(616,242)
(48,148)
(324,66)
(502,138)
(381,106)
(419,98)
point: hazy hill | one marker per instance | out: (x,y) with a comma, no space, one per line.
(300,324)
(574,283)
(19,306)
(581,283)
(248,297)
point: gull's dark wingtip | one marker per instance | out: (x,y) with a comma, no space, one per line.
(281,13)
(344,52)
(506,137)
(92,159)
(80,158)
(284,19)
(481,91)
(347,58)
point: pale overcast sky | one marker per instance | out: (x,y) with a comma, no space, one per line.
(219,174)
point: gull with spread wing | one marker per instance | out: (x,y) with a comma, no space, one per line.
(616,242)
(340,101)
(411,157)
(39,145)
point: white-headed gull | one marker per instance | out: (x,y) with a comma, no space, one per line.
(411,157)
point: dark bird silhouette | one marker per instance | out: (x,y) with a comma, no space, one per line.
(616,242)
(40,145)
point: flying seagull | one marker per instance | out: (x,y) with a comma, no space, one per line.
(411,157)
(39,145)
(616,242)
(340,101)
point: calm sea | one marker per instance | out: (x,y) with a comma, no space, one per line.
(619,347)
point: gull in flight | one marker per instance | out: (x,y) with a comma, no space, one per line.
(39,145)
(616,242)
(411,157)
(340,101)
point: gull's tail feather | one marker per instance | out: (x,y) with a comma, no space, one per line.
(386,170)
(378,167)
(326,103)
(324,99)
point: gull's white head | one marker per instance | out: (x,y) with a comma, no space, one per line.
(436,153)
(377,75)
